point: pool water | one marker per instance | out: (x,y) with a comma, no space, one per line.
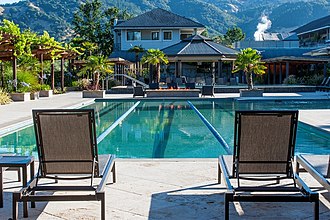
(175,128)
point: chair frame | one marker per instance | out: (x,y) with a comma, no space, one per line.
(303,162)
(28,193)
(208,90)
(231,195)
(138,91)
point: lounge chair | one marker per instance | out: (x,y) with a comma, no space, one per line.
(325,85)
(190,85)
(154,86)
(263,151)
(208,90)
(172,85)
(317,165)
(67,150)
(138,91)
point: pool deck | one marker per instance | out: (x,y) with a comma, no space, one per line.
(164,188)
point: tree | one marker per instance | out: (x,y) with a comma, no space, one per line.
(155,57)
(96,65)
(137,50)
(249,61)
(232,35)
(94,24)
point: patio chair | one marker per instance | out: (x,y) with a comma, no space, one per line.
(138,91)
(325,85)
(263,151)
(190,85)
(67,150)
(172,85)
(208,90)
(316,165)
(154,86)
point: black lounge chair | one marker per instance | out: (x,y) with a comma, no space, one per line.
(190,85)
(154,86)
(264,144)
(208,90)
(325,85)
(172,85)
(67,150)
(316,165)
(138,91)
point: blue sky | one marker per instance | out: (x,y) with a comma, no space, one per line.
(8,1)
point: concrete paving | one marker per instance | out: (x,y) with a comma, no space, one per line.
(166,189)
(162,189)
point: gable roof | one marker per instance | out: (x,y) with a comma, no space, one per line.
(314,25)
(159,18)
(198,45)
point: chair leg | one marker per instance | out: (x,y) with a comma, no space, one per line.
(114,179)
(226,206)
(102,198)
(219,174)
(317,210)
(15,206)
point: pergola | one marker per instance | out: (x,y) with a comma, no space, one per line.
(279,68)
(7,53)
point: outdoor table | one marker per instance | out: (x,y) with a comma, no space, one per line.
(16,161)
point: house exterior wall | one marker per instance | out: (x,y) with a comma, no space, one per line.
(123,43)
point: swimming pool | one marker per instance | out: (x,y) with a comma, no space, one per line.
(175,128)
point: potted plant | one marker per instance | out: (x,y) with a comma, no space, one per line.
(249,61)
(95,66)
(45,91)
(22,94)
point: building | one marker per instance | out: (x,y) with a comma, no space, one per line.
(314,34)
(156,29)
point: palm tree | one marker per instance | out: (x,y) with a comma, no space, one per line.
(137,50)
(249,61)
(96,65)
(155,57)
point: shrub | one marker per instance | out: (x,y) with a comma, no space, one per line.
(4,97)
(81,83)
(290,80)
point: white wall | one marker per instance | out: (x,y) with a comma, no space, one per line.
(148,44)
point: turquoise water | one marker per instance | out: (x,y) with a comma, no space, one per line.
(173,129)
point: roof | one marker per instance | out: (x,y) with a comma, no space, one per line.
(283,52)
(314,25)
(198,45)
(296,59)
(159,18)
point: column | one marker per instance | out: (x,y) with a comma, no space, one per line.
(268,74)
(325,70)
(274,74)
(52,75)
(280,73)
(62,74)
(15,73)
(42,69)
(287,66)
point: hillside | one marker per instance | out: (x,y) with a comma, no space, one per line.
(55,16)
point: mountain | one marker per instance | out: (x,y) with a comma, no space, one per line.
(55,16)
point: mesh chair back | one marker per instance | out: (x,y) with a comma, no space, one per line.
(264,142)
(66,141)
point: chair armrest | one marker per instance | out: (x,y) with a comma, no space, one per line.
(305,189)
(224,171)
(312,171)
(106,173)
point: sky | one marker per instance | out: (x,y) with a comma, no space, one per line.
(8,1)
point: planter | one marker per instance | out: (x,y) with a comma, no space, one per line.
(20,97)
(46,93)
(34,95)
(93,93)
(251,93)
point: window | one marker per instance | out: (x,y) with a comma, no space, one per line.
(184,36)
(133,35)
(155,35)
(167,35)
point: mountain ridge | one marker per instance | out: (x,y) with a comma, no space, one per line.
(55,16)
